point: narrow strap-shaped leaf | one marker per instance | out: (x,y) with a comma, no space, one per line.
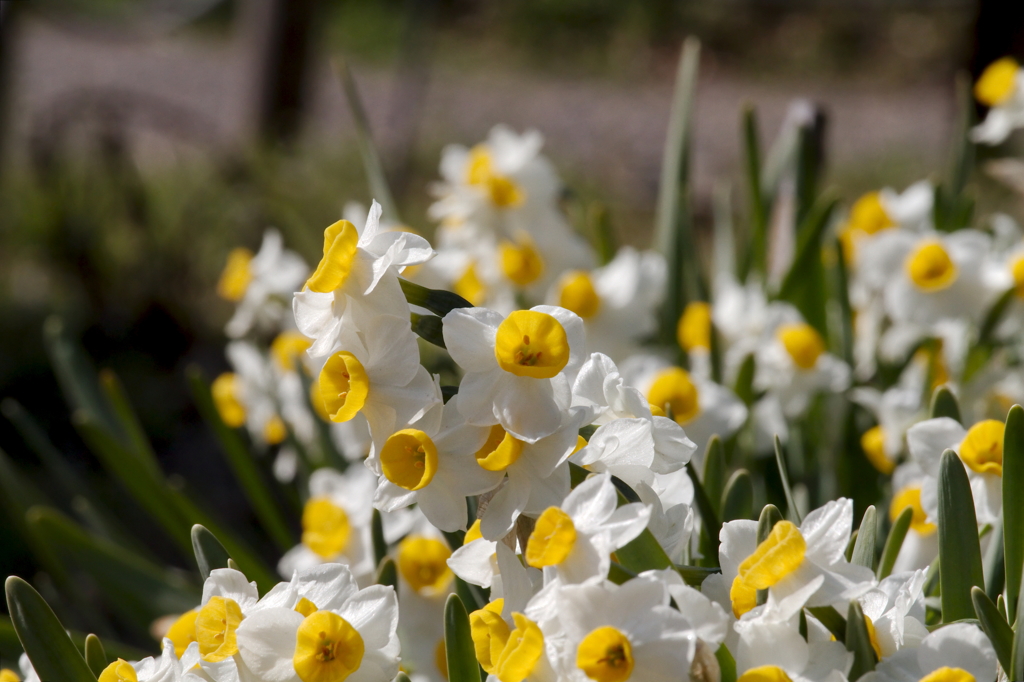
(944,404)
(738,498)
(137,441)
(387,572)
(858,641)
(136,589)
(471,595)
(714,471)
(1013,514)
(708,513)
(894,542)
(603,234)
(437,301)
(458,643)
(95,656)
(380,546)
(995,315)
(757,257)
(250,478)
(643,553)
(842,293)
(864,548)
(831,619)
(618,574)
(998,631)
(210,553)
(429,328)
(372,165)
(959,552)
(1017,655)
(803,285)
(43,638)
(780,461)
(992,563)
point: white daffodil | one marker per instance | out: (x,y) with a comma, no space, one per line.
(434,467)
(248,396)
(931,276)
(321,626)
(336,524)
(798,566)
(262,285)
(894,612)
(630,442)
(793,365)
(572,543)
(954,652)
(709,620)
(980,449)
(618,302)
(538,475)
(1001,88)
(896,409)
(518,369)
(621,632)
(702,407)
(377,371)
(921,545)
(356,280)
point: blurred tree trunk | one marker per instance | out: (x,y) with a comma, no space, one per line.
(287,51)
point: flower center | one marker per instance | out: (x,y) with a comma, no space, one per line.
(694,329)
(325,527)
(215,628)
(531,344)
(119,671)
(605,655)
(343,386)
(997,81)
(765,673)
(236,276)
(779,555)
(551,540)
(945,674)
(305,607)
(873,444)
(803,343)
(930,268)
(869,215)
(286,347)
(275,430)
(910,497)
(423,563)
(521,262)
(578,294)
(340,240)
(982,447)
(327,648)
(469,286)
(225,390)
(409,459)
(500,451)
(673,387)
(183,632)
(502,191)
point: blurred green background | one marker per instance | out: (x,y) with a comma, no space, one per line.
(141,140)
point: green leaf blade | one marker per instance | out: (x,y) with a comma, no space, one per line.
(959,550)
(458,643)
(1013,514)
(999,633)
(894,543)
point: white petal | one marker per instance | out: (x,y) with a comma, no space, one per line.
(266,643)
(469,337)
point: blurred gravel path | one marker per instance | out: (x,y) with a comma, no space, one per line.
(610,131)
